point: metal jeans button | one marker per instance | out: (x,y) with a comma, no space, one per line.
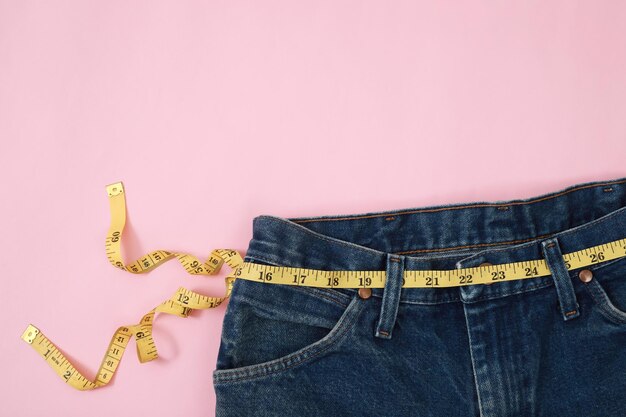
(585,275)
(365,293)
(487,264)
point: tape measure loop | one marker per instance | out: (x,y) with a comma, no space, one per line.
(392,280)
(180,304)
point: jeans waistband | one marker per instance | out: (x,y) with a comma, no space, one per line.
(448,236)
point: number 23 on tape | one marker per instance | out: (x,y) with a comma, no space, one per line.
(183,300)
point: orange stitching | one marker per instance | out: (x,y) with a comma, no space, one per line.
(347,217)
(471,246)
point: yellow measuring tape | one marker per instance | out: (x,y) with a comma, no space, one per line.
(184,300)
(427,279)
(179,304)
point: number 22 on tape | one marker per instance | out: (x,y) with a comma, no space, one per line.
(183,300)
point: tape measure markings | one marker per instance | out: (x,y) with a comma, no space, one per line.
(183,301)
(488,274)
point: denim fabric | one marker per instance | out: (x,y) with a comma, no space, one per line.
(544,346)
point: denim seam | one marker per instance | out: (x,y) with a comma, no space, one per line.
(500,203)
(532,241)
(350,245)
(502,294)
(279,365)
(606,307)
(322,295)
(477,245)
(324,237)
(469,337)
(314,294)
(558,234)
(319,294)
(417,302)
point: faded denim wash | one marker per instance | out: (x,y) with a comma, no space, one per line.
(545,346)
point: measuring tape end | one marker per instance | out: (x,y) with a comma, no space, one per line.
(115,189)
(30,333)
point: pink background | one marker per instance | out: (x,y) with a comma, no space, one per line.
(214,112)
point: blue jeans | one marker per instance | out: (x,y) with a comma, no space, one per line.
(545,346)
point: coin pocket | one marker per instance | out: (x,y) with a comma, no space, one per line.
(607,289)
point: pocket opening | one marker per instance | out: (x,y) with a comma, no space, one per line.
(299,357)
(605,296)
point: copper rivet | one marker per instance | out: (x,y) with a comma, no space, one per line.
(585,275)
(487,264)
(365,293)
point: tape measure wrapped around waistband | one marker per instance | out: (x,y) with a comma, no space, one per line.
(183,301)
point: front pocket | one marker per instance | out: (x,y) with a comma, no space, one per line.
(607,288)
(271,328)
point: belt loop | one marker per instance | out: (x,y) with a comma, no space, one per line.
(391,295)
(564,287)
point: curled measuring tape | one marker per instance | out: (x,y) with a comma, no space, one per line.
(179,304)
(183,300)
